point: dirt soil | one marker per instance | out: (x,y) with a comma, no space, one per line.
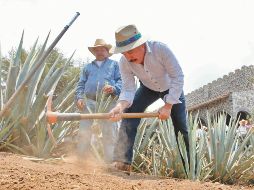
(16,172)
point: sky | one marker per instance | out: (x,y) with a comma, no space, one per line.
(210,38)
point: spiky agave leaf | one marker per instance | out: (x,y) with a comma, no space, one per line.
(26,65)
(58,102)
(13,71)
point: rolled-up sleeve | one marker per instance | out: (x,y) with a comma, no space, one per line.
(175,73)
(128,82)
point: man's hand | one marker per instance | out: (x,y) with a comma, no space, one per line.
(108,89)
(165,111)
(80,104)
(115,113)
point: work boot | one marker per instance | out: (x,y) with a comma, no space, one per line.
(122,166)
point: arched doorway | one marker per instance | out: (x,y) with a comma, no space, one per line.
(201,122)
(243,115)
(228,117)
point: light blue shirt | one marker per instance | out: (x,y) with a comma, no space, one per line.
(160,72)
(93,76)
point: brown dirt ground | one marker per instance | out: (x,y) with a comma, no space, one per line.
(19,173)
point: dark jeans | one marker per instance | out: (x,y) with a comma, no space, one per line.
(144,97)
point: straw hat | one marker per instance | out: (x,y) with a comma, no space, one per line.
(100,43)
(127,38)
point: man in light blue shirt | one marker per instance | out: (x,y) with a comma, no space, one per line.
(102,74)
(160,76)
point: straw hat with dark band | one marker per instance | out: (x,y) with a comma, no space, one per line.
(127,38)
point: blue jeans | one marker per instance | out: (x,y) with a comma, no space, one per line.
(144,97)
(86,138)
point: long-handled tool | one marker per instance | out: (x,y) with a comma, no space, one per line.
(33,71)
(53,117)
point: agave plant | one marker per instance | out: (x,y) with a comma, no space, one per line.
(24,128)
(232,161)
(156,150)
(215,156)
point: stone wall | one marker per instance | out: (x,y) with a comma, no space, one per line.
(237,81)
(231,94)
(224,105)
(243,101)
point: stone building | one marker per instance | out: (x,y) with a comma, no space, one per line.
(233,95)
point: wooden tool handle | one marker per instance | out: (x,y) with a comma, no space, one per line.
(77,116)
(53,117)
(123,115)
(139,115)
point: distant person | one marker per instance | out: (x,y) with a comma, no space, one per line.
(160,76)
(199,132)
(102,74)
(242,130)
(248,124)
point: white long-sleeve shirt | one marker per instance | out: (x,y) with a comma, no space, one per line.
(160,72)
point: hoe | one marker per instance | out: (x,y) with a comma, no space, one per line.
(53,117)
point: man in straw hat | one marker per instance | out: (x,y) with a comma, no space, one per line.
(160,76)
(242,129)
(102,74)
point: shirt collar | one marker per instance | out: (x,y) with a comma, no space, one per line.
(148,48)
(94,61)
